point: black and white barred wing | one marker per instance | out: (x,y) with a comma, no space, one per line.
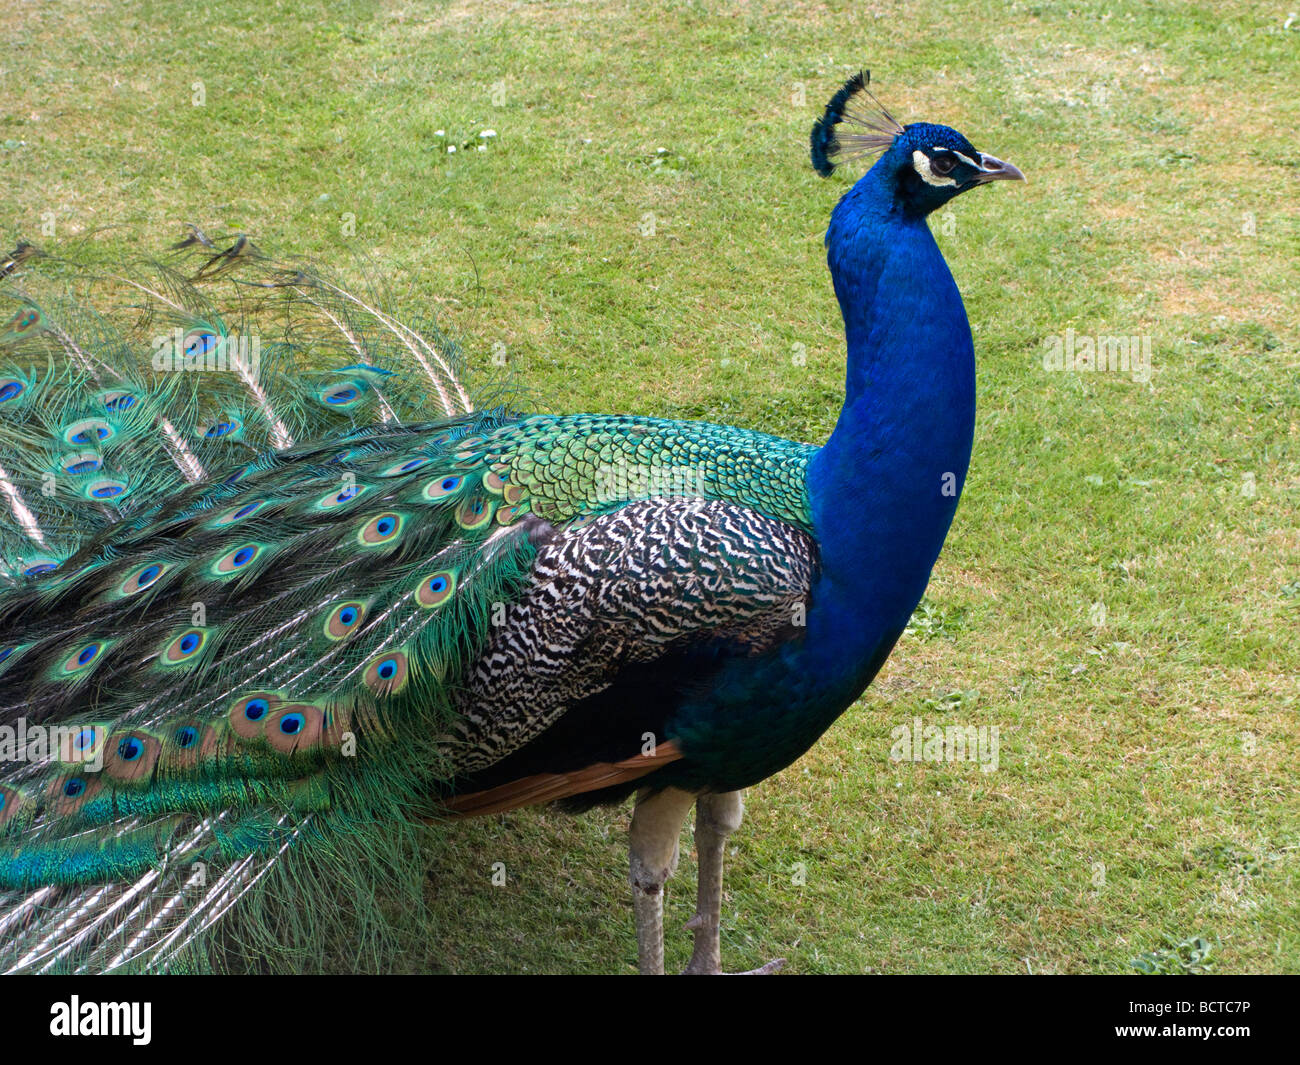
(624,614)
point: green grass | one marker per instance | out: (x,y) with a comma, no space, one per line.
(1146,798)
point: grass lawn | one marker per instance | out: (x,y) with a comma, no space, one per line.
(1120,593)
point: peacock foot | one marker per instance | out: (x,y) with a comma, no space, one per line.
(707,958)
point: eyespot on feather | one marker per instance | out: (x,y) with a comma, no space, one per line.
(80,463)
(88,431)
(444,486)
(474,513)
(183,649)
(237,513)
(387,673)
(248,714)
(185,744)
(345,620)
(381,529)
(83,746)
(131,755)
(340,497)
(227,426)
(405,466)
(25,320)
(106,489)
(198,344)
(295,727)
(343,395)
(236,561)
(68,793)
(83,658)
(118,400)
(435,589)
(338,720)
(142,578)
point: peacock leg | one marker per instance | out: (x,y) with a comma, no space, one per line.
(716,818)
(656,828)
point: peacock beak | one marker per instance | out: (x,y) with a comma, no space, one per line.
(994,169)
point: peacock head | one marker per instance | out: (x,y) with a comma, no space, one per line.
(925,165)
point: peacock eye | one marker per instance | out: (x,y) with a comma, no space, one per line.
(942,164)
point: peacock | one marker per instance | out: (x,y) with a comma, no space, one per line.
(278,591)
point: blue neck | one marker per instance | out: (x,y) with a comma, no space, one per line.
(884,488)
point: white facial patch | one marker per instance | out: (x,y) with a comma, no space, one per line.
(921,164)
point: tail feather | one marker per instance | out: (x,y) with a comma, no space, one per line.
(212,359)
(155,922)
(178,468)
